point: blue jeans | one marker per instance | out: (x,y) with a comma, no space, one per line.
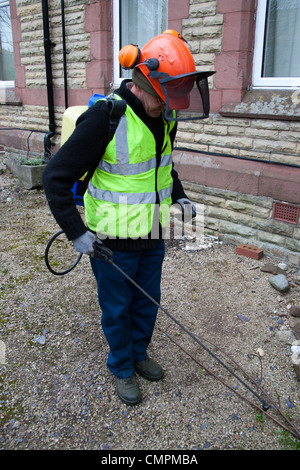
(128,316)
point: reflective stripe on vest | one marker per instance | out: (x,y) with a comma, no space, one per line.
(131,198)
(123,167)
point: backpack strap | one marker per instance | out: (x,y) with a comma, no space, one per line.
(116,110)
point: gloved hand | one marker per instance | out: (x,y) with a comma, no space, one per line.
(182,201)
(84,243)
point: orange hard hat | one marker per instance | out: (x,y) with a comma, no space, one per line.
(168,65)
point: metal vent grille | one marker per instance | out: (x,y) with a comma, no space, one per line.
(286,213)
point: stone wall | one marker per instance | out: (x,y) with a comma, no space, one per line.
(263,139)
(212,33)
(243,218)
(30,57)
(256,126)
(240,197)
(28,110)
(265,126)
(32,45)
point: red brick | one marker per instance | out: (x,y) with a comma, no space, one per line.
(249,251)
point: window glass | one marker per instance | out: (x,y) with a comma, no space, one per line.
(136,22)
(277,51)
(282,39)
(7,68)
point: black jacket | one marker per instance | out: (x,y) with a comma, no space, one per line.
(82,151)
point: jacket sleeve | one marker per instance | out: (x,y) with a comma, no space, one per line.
(80,152)
(178,191)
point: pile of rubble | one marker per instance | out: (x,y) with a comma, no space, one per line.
(282,280)
(295,327)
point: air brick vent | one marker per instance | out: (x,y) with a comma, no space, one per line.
(286,213)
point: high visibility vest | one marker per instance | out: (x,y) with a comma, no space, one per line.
(128,192)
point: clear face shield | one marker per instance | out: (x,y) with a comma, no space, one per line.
(181,95)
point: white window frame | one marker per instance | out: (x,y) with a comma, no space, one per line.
(257,80)
(116,41)
(6,83)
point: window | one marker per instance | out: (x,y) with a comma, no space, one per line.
(7,68)
(136,22)
(277,38)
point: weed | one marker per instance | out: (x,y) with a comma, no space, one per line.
(288,442)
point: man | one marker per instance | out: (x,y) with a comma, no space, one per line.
(134,180)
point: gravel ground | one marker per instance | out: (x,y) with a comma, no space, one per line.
(56,392)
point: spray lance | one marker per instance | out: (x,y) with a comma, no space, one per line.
(102,252)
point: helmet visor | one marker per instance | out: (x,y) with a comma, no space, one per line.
(181,94)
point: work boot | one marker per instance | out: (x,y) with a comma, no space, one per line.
(149,369)
(128,390)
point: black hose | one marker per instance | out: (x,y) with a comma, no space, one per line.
(57,273)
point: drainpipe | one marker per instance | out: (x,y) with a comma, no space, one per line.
(47,46)
(65,52)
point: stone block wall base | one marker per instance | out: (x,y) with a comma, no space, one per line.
(278,253)
(238,199)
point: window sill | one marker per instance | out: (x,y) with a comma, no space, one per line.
(8,97)
(279,104)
